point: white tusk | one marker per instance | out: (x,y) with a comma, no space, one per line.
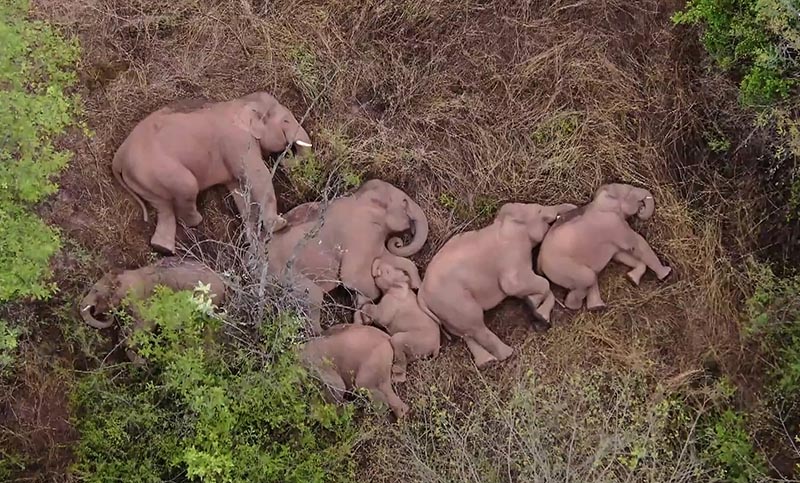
(86,308)
(303,143)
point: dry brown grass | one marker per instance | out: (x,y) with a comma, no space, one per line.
(466,105)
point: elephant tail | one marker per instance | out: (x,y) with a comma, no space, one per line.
(118,175)
(429,313)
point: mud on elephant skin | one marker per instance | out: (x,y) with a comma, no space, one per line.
(414,334)
(138,284)
(476,270)
(578,247)
(176,152)
(348,357)
(336,244)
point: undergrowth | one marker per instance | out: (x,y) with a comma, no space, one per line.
(207,410)
(37,68)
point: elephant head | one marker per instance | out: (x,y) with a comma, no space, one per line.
(273,125)
(626,200)
(102,298)
(398,271)
(400,213)
(534,219)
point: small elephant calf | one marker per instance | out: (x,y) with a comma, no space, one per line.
(414,334)
(354,356)
(117,284)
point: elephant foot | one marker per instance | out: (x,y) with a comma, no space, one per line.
(193,220)
(572,305)
(163,247)
(664,274)
(279,223)
(485,362)
(596,307)
(398,374)
(635,276)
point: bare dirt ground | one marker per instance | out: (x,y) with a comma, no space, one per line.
(464,104)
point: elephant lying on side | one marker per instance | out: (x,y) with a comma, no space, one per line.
(474,271)
(323,248)
(108,292)
(414,334)
(176,152)
(347,357)
(581,244)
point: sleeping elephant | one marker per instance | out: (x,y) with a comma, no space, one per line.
(180,150)
(349,357)
(476,270)
(323,248)
(582,243)
(108,292)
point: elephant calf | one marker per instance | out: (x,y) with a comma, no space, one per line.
(414,334)
(579,246)
(139,284)
(354,356)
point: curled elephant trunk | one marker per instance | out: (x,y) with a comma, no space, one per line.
(88,310)
(419,226)
(648,204)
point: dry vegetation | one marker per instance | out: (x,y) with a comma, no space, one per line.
(464,104)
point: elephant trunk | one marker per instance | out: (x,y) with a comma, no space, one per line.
(648,205)
(411,270)
(88,307)
(419,226)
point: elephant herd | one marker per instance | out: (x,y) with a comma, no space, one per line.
(354,241)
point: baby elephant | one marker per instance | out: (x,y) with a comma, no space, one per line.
(115,285)
(354,356)
(414,334)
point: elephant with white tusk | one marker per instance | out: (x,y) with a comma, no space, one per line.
(180,150)
(108,292)
(475,271)
(414,334)
(349,357)
(323,248)
(580,245)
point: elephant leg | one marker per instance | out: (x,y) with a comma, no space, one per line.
(637,266)
(593,299)
(376,375)
(163,240)
(258,180)
(532,288)
(385,394)
(400,344)
(184,194)
(334,384)
(481,356)
(312,294)
(576,277)
(643,252)
(492,343)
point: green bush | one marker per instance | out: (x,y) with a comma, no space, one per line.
(774,313)
(758,39)
(730,450)
(8,347)
(208,411)
(37,67)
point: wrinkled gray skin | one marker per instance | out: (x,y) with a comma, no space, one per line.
(182,149)
(108,292)
(476,270)
(353,233)
(349,357)
(580,245)
(414,334)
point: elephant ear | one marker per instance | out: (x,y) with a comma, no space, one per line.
(252,120)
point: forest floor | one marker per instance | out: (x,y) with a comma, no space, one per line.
(465,105)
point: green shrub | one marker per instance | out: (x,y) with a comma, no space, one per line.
(758,39)
(774,313)
(37,67)
(8,347)
(206,410)
(730,450)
